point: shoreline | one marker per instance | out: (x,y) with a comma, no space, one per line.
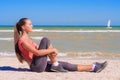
(75,58)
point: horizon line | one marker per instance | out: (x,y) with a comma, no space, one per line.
(61,25)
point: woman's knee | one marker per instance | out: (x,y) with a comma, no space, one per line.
(45,40)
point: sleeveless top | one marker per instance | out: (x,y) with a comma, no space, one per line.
(28,56)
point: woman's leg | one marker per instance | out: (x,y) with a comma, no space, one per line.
(68,66)
(82,67)
(39,63)
(65,65)
(76,67)
(96,67)
(56,66)
(52,58)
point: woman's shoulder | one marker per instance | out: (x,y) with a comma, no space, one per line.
(22,39)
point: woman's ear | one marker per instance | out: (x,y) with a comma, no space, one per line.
(23,27)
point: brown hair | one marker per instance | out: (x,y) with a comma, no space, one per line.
(17,34)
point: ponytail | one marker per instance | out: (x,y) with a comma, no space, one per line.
(16,38)
(17,34)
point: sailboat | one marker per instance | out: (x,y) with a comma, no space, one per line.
(108,25)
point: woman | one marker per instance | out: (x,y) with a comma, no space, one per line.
(36,56)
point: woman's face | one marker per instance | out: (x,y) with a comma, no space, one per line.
(28,26)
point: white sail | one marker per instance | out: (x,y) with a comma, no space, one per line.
(108,25)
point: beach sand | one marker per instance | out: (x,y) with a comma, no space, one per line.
(11,69)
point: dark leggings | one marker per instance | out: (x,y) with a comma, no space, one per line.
(40,63)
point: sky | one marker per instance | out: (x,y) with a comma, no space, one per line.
(61,12)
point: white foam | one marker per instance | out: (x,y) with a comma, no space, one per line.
(11,39)
(37,38)
(38,30)
(72,54)
(62,54)
(92,54)
(13,54)
(7,39)
(76,30)
(6,30)
(41,30)
(7,54)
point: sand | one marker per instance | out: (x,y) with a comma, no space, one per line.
(11,69)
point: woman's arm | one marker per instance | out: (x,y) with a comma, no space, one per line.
(37,52)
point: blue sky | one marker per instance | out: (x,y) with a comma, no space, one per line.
(61,12)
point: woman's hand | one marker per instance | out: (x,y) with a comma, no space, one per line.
(55,52)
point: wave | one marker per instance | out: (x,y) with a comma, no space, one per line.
(7,54)
(6,30)
(11,38)
(92,54)
(37,38)
(7,39)
(74,54)
(76,30)
(42,30)
(13,54)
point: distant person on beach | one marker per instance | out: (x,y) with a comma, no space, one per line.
(36,55)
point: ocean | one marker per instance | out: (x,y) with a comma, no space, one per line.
(70,40)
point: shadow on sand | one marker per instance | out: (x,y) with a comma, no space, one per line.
(9,68)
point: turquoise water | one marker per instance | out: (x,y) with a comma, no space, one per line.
(63,27)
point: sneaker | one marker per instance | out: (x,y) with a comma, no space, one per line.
(99,66)
(58,68)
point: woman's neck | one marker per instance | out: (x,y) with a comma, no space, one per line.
(25,34)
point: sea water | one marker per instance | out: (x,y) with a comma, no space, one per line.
(70,40)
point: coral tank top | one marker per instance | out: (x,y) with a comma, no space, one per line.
(26,54)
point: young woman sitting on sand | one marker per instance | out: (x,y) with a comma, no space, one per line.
(36,55)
